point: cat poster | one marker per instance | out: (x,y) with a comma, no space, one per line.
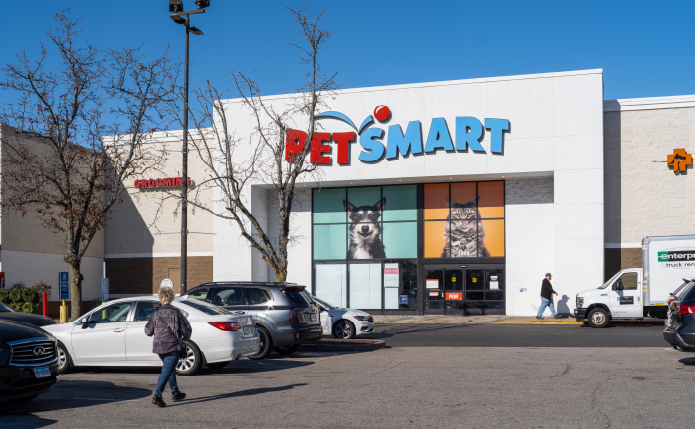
(464,220)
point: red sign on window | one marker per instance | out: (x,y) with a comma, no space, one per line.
(454,295)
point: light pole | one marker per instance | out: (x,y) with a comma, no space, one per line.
(183,17)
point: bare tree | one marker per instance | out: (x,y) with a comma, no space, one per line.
(57,162)
(235,163)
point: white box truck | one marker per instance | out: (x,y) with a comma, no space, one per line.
(635,293)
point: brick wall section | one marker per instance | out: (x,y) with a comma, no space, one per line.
(618,259)
(142,275)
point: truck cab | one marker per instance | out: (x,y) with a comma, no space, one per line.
(619,298)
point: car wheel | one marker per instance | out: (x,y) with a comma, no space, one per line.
(217,365)
(64,360)
(266,344)
(344,330)
(287,350)
(598,318)
(192,362)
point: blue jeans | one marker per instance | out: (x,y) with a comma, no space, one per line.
(169,361)
(546,303)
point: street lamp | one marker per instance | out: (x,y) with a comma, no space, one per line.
(183,17)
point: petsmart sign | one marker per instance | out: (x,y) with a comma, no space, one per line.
(468,133)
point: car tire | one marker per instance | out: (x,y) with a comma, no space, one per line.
(193,361)
(343,329)
(217,365)
(287,350)
(598,318)
(25,399)
(266,344)
(64,359)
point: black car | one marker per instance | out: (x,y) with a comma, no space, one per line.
(284,313)
(9,315)
(28,361)
(680,324)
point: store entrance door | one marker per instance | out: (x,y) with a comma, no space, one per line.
(455,290)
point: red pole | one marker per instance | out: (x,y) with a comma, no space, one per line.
(44,303)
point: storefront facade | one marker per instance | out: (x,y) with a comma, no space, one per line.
(446,198)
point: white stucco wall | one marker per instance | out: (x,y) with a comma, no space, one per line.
(556,130)
(32,267)
(530,241)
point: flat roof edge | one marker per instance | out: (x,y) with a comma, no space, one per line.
(649,103)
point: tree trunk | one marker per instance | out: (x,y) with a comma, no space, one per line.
(281,275)
(76,289)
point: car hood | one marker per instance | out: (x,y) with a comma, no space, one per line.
(13,331)
(34,319)
(350,311)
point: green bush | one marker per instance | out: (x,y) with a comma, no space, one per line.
(28,307)
(30,296)
(16,295)
(4,295)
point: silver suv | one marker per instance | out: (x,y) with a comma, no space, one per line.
(284,313)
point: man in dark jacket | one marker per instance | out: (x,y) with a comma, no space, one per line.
(547,297)
(170,328)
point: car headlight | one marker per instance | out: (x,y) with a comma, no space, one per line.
(580,301)
(362,318)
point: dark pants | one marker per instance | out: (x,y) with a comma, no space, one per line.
(169,361)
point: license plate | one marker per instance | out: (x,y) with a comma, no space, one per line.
(247,331)
(313,318)
(42,372)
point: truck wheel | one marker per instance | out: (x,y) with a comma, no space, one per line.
(598,318)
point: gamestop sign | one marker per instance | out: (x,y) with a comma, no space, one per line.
(468,133)
(166,182)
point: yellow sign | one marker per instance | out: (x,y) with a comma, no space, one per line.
(453,279)
(475,280)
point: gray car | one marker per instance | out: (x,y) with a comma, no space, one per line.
(284,313)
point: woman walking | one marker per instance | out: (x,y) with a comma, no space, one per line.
(170,328)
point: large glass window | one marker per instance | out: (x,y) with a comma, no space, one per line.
(464,220)
(356,231)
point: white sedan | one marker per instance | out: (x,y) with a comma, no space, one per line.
(113,334)
(343,323)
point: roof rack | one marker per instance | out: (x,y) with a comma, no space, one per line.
(248,283)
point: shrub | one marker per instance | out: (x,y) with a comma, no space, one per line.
(20,285)
(4,295)
(28,307)
(30,296)
(16,295)
(42,287)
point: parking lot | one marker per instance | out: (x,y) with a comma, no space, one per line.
(394,387)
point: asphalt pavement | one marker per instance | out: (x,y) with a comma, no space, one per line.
(502,335)
(608,383)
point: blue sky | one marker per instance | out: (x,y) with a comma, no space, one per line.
(644,48)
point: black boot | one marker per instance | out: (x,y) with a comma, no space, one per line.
(178,397)
(158,401)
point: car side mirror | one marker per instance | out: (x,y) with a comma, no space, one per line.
(85,325)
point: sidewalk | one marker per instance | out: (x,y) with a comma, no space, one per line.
(477,320)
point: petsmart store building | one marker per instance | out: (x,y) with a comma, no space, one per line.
(444,198)
(441,198)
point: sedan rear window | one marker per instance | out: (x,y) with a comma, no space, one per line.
(298,296)
(688,293)
(205,308)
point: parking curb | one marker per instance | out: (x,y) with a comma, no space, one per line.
(343,346)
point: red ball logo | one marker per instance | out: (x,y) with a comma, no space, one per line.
(382,113)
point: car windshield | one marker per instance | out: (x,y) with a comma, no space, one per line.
(5,309)
(322,302)
(610,282)
(298,296)
(204,307)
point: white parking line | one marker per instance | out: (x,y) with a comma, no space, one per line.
(89,399)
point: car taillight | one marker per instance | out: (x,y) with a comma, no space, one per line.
(670,300)
(226,326)
(294,316)
(686,309)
